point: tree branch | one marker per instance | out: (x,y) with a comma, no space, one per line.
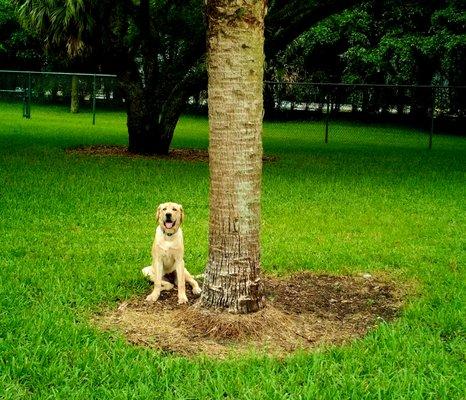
(287,20)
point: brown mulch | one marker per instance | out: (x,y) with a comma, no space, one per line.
(302,312)
(197,155)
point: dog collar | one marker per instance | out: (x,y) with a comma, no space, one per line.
(168,234)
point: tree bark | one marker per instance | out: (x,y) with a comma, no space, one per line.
(235,42)
(74,108)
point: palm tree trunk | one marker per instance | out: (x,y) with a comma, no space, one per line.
(235,71)
(74,94)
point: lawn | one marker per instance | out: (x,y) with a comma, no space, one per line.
(76,229)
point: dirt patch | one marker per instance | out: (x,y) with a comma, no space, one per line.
(302,312)
(196,155)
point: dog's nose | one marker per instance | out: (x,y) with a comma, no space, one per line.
(169,215)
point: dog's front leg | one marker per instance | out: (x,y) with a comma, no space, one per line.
(157,267)
(182,299)
(196,289)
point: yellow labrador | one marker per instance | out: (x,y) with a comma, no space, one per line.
(168,253)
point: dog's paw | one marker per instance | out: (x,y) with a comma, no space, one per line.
(153,297)
(197,291)
(182,299)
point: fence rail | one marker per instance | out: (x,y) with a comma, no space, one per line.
(362,85)
(56,73)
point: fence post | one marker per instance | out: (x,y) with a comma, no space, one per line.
(27,113)
(327,116)
(432,115)
(24,103)
(93,101)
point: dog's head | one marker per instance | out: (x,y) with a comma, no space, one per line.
(170,216)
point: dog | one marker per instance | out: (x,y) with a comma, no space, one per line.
(168,254)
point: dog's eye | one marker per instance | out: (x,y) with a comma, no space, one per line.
(174,209)
(165,209)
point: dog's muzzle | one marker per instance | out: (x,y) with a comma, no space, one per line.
(169,224)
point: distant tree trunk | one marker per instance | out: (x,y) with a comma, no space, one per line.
(145,133)
(74,94)
(152,121)
(421,103)
(235,42)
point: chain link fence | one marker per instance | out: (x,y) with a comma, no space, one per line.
(335,112)
(340,108)
(76,90)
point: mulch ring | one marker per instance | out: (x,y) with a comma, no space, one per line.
(197,155)
(302,312)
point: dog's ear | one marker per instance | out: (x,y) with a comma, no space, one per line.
(182,214)
(157,214)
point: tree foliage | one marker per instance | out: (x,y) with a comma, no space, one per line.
(60,24)
(416,42)
(18,49)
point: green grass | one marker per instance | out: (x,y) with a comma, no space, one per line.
(75,231)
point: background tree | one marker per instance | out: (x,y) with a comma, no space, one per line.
(160,48)
(18,49)
(155,47)
(235,82)
(389,42)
